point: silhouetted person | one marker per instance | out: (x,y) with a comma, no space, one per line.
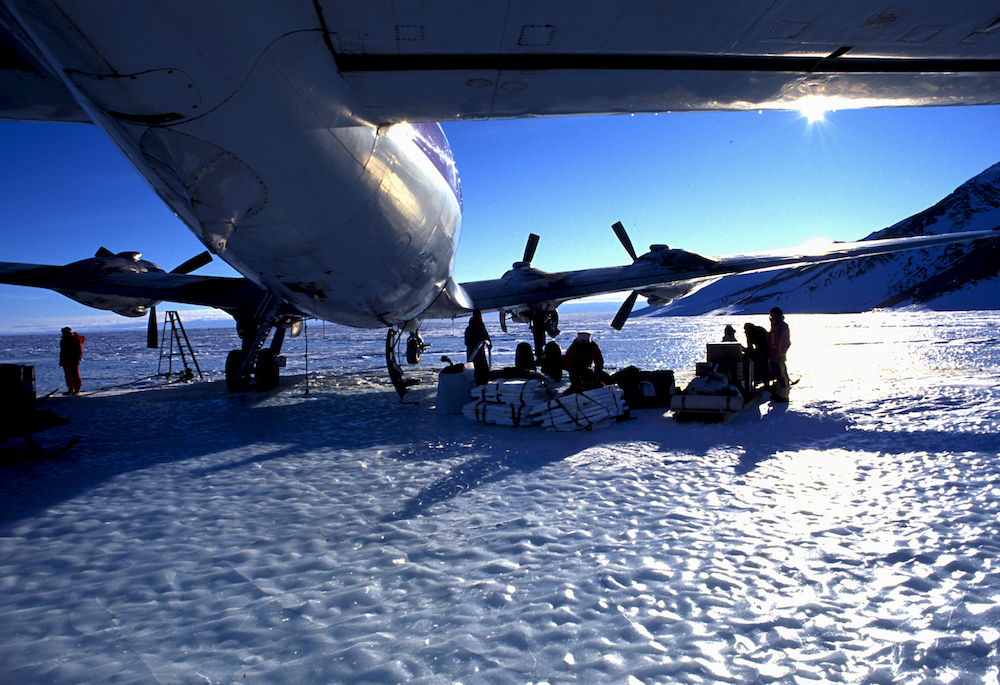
(757,351)
(779,339)
(477,339)
(729,334)
(70,354)
(584,364)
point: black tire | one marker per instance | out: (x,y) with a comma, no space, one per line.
(266,371)
(234,381)
(413,351)
(552,363)
(524,357)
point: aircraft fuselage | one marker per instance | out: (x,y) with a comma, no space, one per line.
(268,159)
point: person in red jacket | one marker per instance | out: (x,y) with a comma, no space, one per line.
(70,353)
(779,339)
(584,364)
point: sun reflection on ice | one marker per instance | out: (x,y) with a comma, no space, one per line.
(818,486)
(876,356)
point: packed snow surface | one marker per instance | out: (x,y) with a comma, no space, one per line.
(340,536)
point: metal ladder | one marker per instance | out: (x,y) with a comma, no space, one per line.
(178,338)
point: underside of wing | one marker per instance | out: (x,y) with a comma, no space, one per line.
(29,91)
(455,60)
(495,59)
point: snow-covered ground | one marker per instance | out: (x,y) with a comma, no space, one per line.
(339,536)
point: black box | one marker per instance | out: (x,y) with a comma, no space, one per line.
(17,392)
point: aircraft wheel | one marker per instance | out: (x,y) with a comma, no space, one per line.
(413,351)
(234,380)
(267,370)
(524,358)
(552,363)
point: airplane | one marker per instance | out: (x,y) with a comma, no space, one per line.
(299,140)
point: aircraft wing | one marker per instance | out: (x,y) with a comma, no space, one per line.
(29,91)
(497,59)
(665,274)
(230,294)
(447,61)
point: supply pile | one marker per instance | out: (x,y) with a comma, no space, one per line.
(531,402)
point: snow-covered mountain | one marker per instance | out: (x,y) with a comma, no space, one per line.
(943,278)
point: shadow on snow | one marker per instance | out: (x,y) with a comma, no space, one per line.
(140,429)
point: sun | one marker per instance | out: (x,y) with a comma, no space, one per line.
(813,109)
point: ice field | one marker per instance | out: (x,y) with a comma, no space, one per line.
(340,536)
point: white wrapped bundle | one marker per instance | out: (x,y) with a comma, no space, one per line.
(517,392)
(500,413)
(582,411)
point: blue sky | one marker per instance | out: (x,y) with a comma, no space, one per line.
(715,183)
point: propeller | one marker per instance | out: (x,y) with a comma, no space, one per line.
(152,342)
(623,237)
(622,316)
(623,313)
(196,262)
(529,249)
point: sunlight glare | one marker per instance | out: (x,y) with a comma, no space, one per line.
(814,109)
(816,245)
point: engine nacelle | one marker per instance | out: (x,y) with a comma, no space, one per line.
(96,268)
(663,295)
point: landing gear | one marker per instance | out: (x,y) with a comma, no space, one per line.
(542,324)
(266,370)
(236,379)
(263,364)
(414,344)
(415,347)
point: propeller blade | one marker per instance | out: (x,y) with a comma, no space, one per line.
(104,252)
(529,249)
(623,237)
(195,262)
(152,342)
(622,316)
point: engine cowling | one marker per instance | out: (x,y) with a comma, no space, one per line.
(104,264)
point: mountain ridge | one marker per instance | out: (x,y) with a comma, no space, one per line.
(945,278)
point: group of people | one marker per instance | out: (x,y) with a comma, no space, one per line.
(584,363)
(767,350)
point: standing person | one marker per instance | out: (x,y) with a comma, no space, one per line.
(70,354)
(582,354)
(779,339)
(757,351)
(477,339)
